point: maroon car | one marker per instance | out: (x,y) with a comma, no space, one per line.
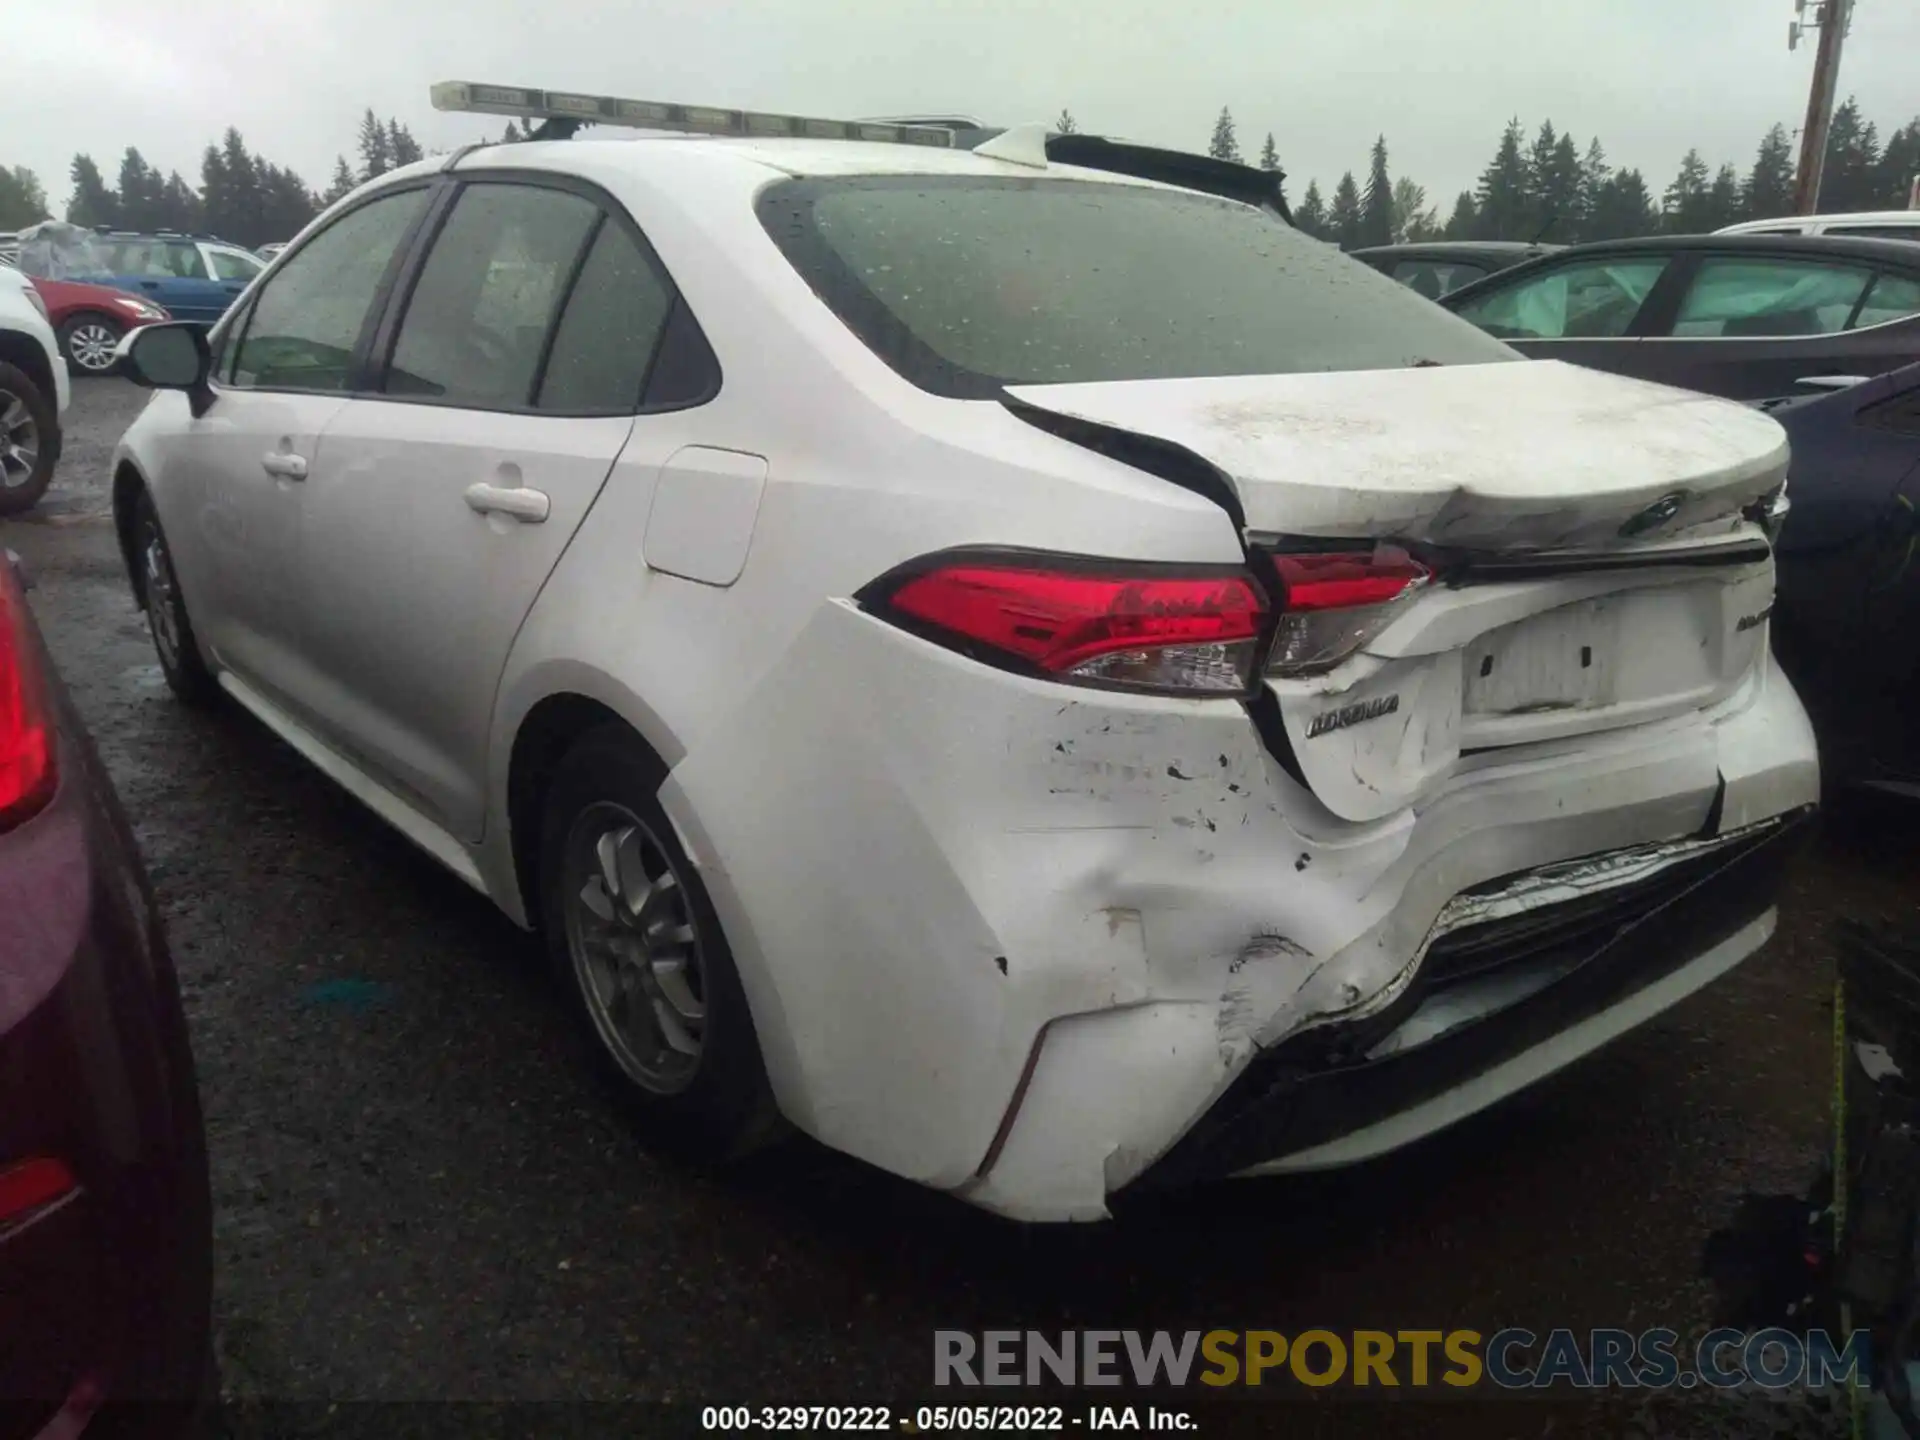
(105,1231)
(90,319)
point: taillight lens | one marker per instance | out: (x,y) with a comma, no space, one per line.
(32,1185)
(1332,602)
(26,724)
(1132,630)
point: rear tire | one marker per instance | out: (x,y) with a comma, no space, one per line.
(639,954)
(29,441)
(88,341)
(173,639)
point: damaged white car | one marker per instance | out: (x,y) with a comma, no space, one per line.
(1049,681)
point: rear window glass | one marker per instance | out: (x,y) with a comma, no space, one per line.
(966,284)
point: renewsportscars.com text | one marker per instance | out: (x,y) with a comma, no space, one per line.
(1510,1359)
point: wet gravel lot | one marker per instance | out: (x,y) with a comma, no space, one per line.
(421,1196)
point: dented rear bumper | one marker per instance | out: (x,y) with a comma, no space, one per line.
(1017,941)
(1496,1005)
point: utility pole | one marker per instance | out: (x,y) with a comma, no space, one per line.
(1833,17)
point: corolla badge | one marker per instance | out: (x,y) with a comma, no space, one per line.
(1656,514)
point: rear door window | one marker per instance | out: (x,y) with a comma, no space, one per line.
(965,284)
(476,325)
(611,328)
(1893,297)
(1585,300)
(1739,298)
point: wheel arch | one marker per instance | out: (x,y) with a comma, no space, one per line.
(129,484)
(24,353)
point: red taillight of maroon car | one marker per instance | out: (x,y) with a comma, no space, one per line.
(1332,602)
(1136,628)
(26,721)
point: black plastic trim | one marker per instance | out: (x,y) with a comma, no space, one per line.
(1171,462)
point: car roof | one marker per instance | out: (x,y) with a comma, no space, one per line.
(1849,217)
(1461,248)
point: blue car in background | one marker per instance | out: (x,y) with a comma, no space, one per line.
(196,277)
(1846,617)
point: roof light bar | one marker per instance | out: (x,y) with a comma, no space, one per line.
(521,102)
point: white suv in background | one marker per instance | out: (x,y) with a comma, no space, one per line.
(33,394)
(1050,681)
(1874,224)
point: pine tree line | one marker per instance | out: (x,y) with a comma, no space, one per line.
(241,197)
(1551,189)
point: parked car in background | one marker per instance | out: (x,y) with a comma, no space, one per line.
(105,1228)
(267,252)
(9,247)
(1439,267)
(1205,788)
(90,319)
(194,278)
(1744,316)
(33,394)
(1846,623)
(1871,224)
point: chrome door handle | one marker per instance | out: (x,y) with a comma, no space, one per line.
(530,507)
(287,467)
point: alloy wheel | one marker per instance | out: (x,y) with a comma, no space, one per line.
(162,610)
(635,948)
(90,345)
(19,442)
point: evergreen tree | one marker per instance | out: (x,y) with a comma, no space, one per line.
(1899,167)
(92,202)
(1066,124)
(1594,173)
(1310,215)
(1269,156)
(514,133)
(1557,178)
(1768,189)
(376,154)
(1412,220)
(1464,223)
(179,206)
(402,148)
(215,202)
(1343,216)
(1539,163)
(23,200)
(1376,206)
(1622,209)
(1686,208)
(1502,202)
(242,217)
(1723,199)
(1853,158)
(342,183)
(140,193)
(1224,146)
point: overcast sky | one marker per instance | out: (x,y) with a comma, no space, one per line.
(1439,77)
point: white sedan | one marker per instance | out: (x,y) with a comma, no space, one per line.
(1048,681)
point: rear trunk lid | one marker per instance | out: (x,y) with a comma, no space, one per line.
(1591,566)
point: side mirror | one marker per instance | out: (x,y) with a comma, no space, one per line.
(170,357)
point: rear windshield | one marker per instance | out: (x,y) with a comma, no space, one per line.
(966,284)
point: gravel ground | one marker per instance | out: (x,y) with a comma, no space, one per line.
(421,1196)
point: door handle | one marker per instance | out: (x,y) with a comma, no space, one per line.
(287,467)
(530,507)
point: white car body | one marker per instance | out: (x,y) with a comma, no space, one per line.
(1885,224)
(22,315)
(1008,937)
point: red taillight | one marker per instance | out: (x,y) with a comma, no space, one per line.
(31,1185)
(1332,602)
(1151,631)
(26,726)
